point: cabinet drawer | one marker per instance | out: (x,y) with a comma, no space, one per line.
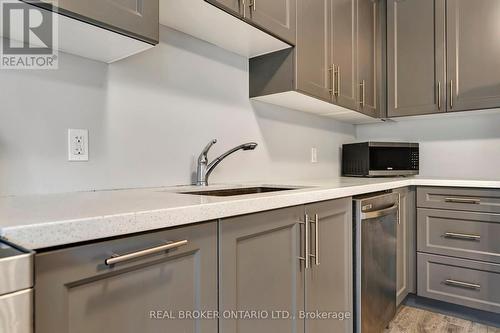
(460,281)
(460,234)
(79,290)
(456,198)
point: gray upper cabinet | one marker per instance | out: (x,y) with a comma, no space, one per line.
(473,53)
(367,22)
(276,16)
(76,291)
(415,57)
(260,269)
(135,18)
(234,6)
(314,48)
(344,53)
(330,276)
(442,55)
(337,60)
(406,244)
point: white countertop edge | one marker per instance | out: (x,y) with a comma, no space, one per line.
(50,234)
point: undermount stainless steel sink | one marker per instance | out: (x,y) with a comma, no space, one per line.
(239,191)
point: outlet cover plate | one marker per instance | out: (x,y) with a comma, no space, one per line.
(78,145)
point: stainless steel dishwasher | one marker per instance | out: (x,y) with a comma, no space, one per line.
(16,293)
(375,219)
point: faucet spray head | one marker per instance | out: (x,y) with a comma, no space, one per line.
(249,146)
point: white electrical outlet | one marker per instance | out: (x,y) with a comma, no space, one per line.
(78,145)
(314,155)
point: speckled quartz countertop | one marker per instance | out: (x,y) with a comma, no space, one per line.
(41,221)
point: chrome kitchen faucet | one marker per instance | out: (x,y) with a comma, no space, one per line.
(205,169)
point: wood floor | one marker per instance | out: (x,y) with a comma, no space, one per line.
(413,320)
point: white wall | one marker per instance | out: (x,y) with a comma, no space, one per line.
(148,116)
(462,145)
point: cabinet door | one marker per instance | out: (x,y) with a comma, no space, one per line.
(344,53)
(313,50)
(406,245)
(136,18)
(415,57)
(473,53)
(366,51)
(276,16)
(75,291)
(260,270)
(232,6)
(329,284)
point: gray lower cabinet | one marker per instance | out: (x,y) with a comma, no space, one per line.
(263,268)
(330,276)
(454,280)
(467,235)
(485,200)
(473,54)
(406,244)
(77,292)
(260,270)
(134,18)
(458,250)
(415,57)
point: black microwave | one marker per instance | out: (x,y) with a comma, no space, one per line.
(379,159)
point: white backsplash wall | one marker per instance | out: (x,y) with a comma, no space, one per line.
(462,145)
(148,118)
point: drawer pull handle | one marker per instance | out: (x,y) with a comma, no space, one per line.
(118,258)
(462,284)
(456,235)
(463,200)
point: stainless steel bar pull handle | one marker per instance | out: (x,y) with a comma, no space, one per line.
(461,284)
(118,258)
(337,93)
(307,250)
(316,239)
(471,201)
(456,235)
(331,72)
(253,5)
(336,75)
(451,94)
(439,95)
(244,5)
(399,208)
(362,101)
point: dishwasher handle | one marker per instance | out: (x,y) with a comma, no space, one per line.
(379,213)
